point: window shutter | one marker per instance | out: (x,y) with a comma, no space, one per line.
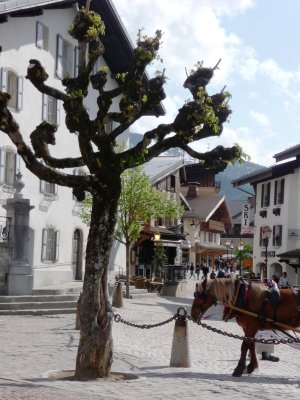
(3,77)
(20,93)
(57,112)
(2,165)
(59,56)
(44,244)
(42,186)
(39,35)
(57,238)
(17,163)
(55,189)
(76,61)
(45,107)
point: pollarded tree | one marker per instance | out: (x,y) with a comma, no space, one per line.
(139,202)
(197,119)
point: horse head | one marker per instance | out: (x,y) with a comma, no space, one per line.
(203,300)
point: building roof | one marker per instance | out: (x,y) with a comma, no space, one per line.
(209,207)
(288,153)
(119,47)
(160,167)
(267,173)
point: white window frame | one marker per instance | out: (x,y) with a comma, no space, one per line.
(65,62)
(42,36)
(50,245)
(9,166)
(47,114)
(16,101)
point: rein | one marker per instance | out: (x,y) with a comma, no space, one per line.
(241,310)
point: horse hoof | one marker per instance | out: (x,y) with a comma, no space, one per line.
(237,374)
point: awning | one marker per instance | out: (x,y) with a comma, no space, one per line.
(291,257)
(290,254)
(209,248)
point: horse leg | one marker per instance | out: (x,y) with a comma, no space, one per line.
(253,359)
(240,368)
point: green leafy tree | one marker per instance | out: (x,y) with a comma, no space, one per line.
(159,258)
(139,202)
(199,118)
(242,254)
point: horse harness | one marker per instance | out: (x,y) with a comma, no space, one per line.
(241,297)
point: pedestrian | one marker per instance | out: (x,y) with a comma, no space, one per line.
(283,281)
(197,270)
(205,271)
(192,268)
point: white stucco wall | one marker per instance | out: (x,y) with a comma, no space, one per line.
(18,47)
(289,218)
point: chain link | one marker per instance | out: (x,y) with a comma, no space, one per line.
(178,316)
(118,318)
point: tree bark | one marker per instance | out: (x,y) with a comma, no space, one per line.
(95,350)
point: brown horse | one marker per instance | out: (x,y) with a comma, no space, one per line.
(225,290)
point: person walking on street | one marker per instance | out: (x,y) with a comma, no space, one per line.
(283,281)
(197,271)
(192,268)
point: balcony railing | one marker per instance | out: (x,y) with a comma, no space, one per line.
(5,224)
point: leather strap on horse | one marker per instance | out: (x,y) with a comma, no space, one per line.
(237,289)
(284,326)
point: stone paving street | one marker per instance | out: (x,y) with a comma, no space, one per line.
(33,348)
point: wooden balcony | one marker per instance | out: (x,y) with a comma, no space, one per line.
(213,226)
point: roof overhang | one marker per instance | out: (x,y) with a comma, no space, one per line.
(291,257)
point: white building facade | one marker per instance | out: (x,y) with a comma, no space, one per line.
(277,191)
(57,236)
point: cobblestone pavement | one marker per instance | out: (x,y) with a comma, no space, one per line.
(33,348)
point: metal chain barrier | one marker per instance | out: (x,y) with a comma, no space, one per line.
(184,316)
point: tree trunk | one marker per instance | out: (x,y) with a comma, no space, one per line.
(95,350)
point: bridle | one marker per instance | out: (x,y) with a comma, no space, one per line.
(202,296)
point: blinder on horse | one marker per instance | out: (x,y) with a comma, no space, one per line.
(202,296)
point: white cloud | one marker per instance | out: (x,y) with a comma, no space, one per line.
(260,118)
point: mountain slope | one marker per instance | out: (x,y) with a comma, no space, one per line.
(233,172)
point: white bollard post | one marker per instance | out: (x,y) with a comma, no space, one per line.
(180,355)
(117,300)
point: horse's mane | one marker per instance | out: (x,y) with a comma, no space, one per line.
(257,291)
(222,288)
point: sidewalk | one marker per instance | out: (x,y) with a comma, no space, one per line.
(33,348)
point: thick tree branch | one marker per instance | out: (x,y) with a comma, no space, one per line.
(41,137)
(9,126)
(37,76)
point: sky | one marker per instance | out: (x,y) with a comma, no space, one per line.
(258,42)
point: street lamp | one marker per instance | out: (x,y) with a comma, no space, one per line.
(240,249)
(227,244)
(156,236)
(231,249)
(266,232)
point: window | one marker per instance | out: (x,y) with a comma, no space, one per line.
(109,126)
(277,235)
(171,183)
(9,164)
(42,36)
(50,245)
(64,58)
(48,188)
(51,110)
(265,194)
(279,192)
(12,84)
